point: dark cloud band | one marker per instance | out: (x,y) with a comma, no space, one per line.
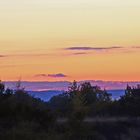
(59,75)
(94,48)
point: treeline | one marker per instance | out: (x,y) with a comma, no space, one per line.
(27,118)
(23,117)
(88,100)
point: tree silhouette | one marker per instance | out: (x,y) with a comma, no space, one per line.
(89,93)
(2,87)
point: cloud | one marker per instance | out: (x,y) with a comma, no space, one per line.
(136,47)
(2,55)
(40,75)
(51,75)
(79,53)
(94,48)
(79,48)
(59,75)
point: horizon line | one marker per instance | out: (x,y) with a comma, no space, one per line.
(70,81)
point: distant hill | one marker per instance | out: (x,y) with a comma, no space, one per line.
(116,93)
(47,95)
(63,85)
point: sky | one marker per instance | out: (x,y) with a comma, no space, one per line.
(51,40)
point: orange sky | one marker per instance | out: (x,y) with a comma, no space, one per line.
(70,39)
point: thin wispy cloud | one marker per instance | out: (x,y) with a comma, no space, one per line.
(136,47)
(79,53)
(41,75)
(94,48)
(2,56)
(59,75)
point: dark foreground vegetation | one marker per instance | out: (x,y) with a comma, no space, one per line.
(84,112)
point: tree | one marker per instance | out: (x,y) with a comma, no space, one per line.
(73,89)
(2,87)
(89,93)
(61,104)
(132,92)
(9,91)
(78,107)
(103,96)
(19,86)
(130,102)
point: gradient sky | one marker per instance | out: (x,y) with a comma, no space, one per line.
(70,39)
